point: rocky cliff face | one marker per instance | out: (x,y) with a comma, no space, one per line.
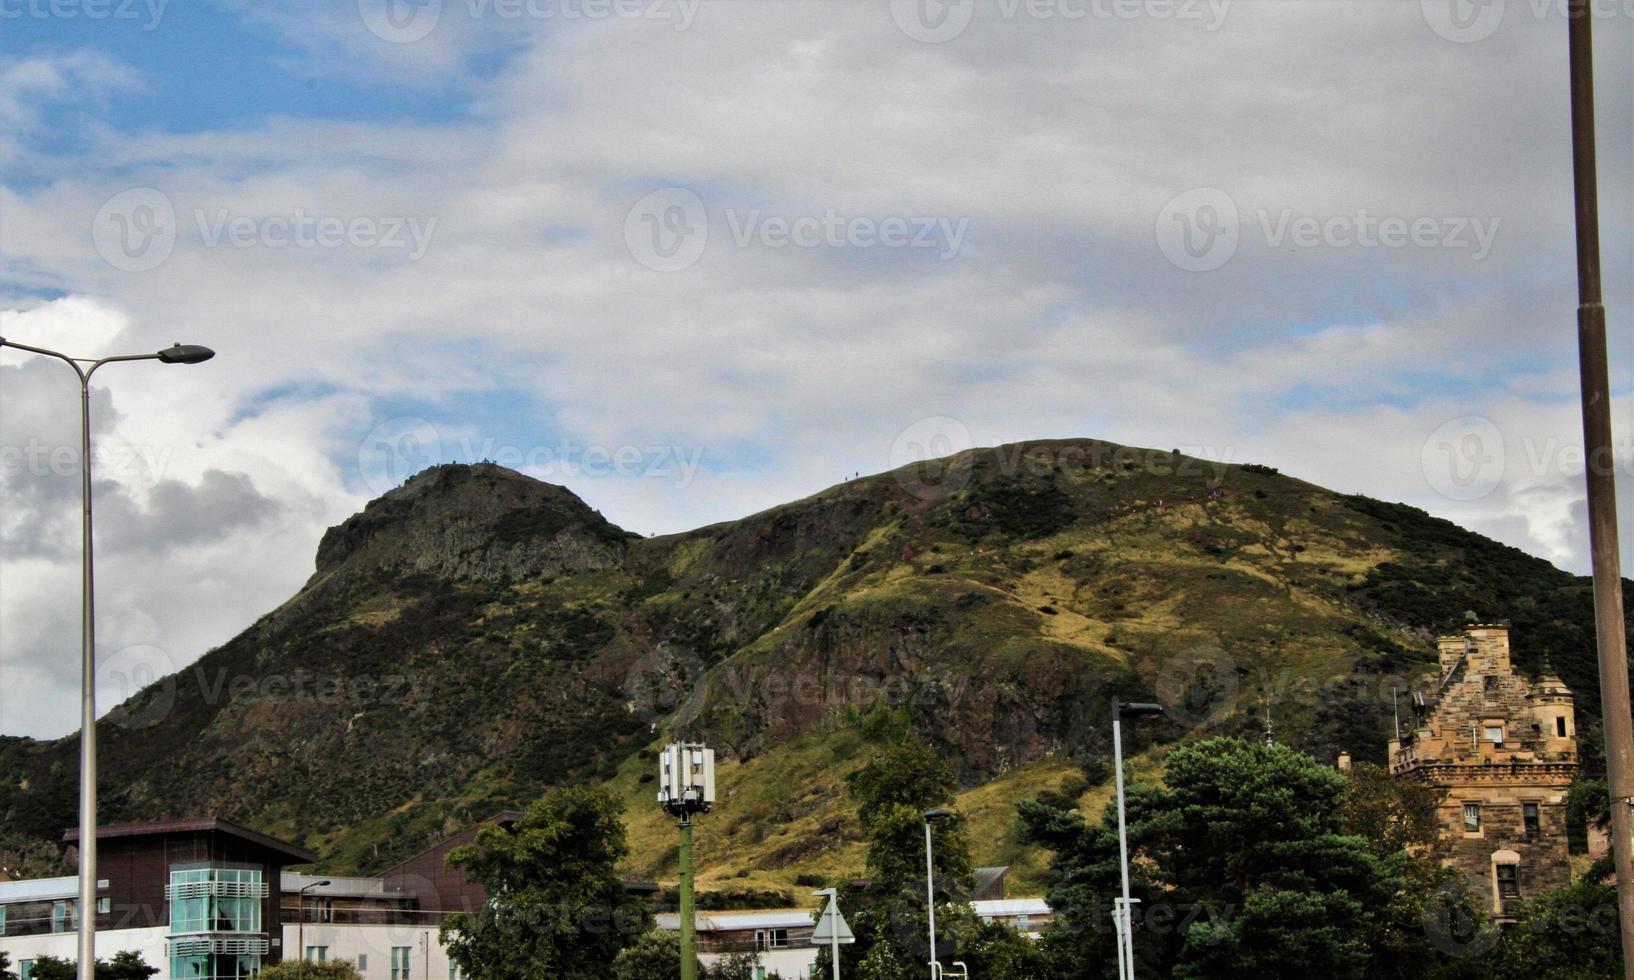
(482,523)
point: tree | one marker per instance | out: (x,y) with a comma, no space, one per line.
(655,956)
(296,970)
(1570,934)
(1248,862)
(5,967)
(54,968)
(555,905)
(125,965)
(1588,804)
(888,915)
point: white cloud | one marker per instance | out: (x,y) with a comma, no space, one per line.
(1058,141)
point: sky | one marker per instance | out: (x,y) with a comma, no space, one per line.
(694,258)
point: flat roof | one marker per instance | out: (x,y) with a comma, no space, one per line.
(1011,906)
(740,921)
(200,825)
(339,887)
(39,890)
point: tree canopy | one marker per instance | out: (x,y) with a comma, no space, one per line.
(556,906)
(1250,860)
(296,970)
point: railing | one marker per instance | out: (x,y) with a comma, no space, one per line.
(366,917)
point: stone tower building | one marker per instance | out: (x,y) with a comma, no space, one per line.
(1504,751)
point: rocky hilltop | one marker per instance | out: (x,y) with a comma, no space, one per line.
(475,636)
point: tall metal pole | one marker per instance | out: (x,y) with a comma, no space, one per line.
(1123,841)
(178,354)
(1600,473)
(689,935)
(87,699)
(930,901)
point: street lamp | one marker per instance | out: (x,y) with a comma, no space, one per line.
(300,923)
(177,354)
(1121,711)
(934,816)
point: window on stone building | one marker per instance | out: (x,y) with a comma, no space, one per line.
(1560,728)
(1509,881)
(1472,818)
(1495,734)
(1529,819)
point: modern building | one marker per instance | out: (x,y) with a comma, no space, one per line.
(1504,752)
(196,898)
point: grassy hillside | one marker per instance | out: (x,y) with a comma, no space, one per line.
(476,636)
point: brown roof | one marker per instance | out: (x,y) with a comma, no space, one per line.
(202,825)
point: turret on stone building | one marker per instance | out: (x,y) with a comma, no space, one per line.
(1504,752)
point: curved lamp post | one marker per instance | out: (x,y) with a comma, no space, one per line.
(300,924)
(931,816)
(177,354)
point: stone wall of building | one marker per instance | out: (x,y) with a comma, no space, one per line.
(1504,751)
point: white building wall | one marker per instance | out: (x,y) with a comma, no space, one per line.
(790,964)
(427,958)
(65,946)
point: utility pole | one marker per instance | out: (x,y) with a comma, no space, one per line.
(1600,473)
(686,787)
(689,930)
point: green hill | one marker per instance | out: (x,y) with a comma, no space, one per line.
(475,636)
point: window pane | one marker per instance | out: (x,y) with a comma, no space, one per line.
(1472,817)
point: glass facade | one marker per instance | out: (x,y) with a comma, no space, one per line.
(215,922)
(215,900)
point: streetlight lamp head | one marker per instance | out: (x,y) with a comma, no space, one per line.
(1140,710)
(938,814)
(325,883)
(186,354)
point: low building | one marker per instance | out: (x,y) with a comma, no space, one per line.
(1028,916)
(1504,753)
(781,938)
